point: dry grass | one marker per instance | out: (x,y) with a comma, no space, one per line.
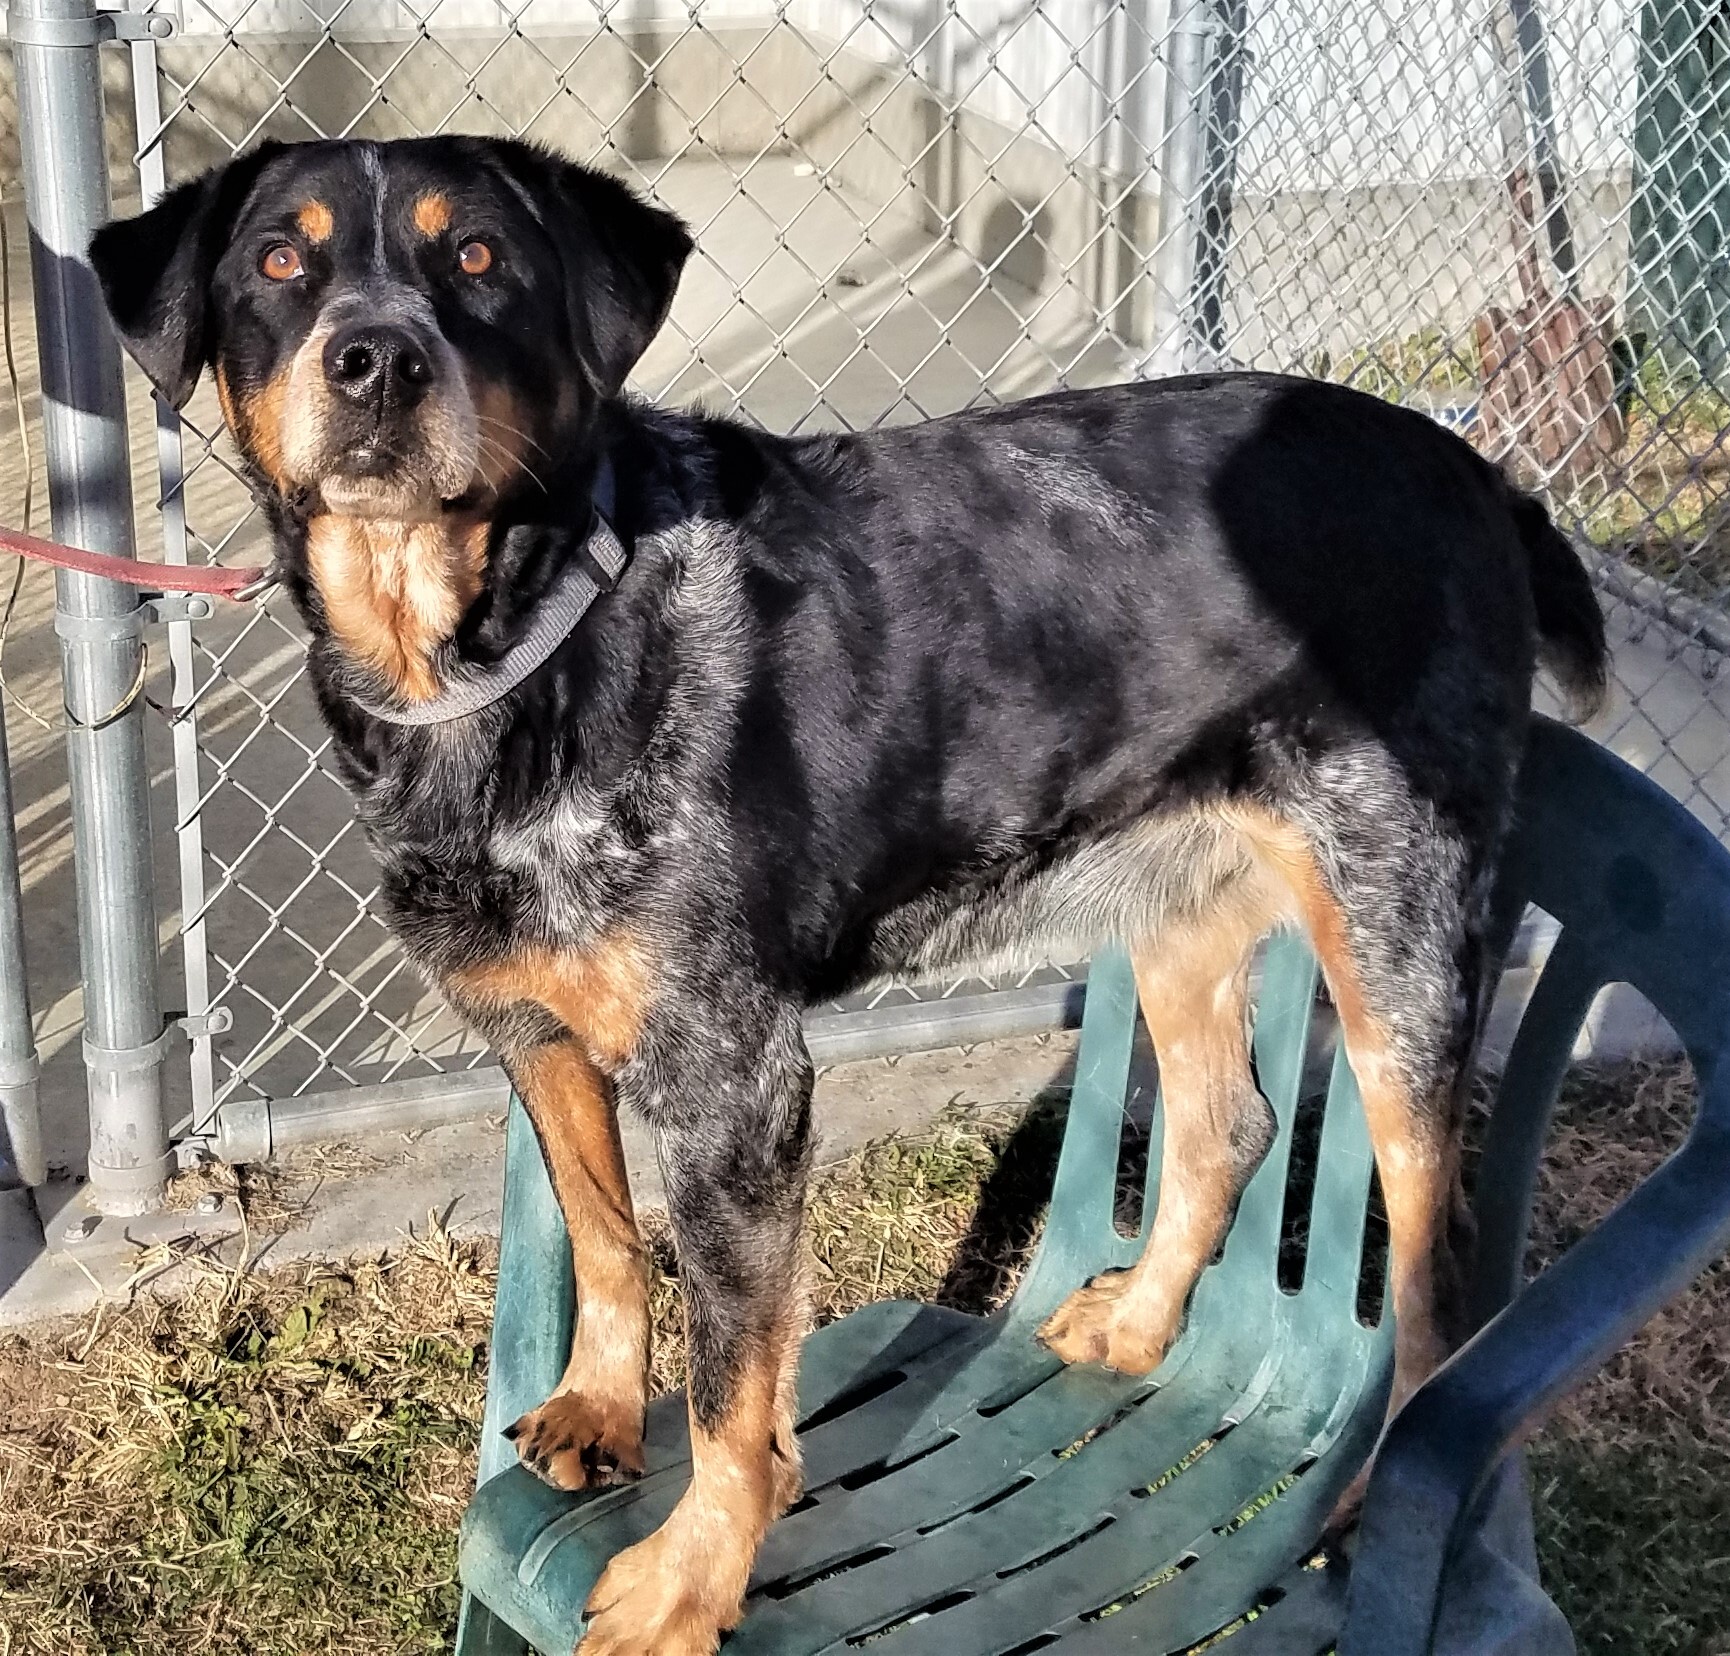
(1667,507)
(274,1465)
(275,1462)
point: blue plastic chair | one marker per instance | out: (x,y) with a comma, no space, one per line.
(969,1496)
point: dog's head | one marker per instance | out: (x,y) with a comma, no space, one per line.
(400,329)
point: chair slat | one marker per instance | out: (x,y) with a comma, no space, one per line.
(1079,1239)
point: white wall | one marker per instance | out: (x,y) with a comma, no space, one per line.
(369,18)
(1340,93)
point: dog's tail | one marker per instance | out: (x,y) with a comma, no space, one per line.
(1571,642)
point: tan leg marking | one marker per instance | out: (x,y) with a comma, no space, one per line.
(317,222)
(432,214)
(590,1431)
(1417,1150)
(787,1482)
(394,592)
(676,1592)
(600,994)
(1194,987)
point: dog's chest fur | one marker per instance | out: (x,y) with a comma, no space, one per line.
(555,825)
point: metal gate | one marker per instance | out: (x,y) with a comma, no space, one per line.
(903,207)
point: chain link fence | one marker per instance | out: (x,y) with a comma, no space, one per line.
(1506,212)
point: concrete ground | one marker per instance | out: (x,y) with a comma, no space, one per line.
(806,307)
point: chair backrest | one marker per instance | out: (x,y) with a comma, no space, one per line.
(1641,891)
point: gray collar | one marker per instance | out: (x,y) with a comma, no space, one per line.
(593,571)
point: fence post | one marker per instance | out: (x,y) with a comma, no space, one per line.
(1222,123)
(20,1106)
(1181,159)
(55,44)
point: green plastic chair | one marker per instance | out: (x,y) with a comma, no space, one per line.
(967,1495)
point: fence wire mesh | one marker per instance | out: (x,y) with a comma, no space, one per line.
(1508,213)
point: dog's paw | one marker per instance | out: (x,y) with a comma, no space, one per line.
(573,1441)
(1103,1323)
(662,1598)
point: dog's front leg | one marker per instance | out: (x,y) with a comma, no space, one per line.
(733,1126)
(590,1431)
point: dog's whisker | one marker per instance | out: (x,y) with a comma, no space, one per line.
(514,431)
(487,447)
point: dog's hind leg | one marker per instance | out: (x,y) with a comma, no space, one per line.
(1194,985)
(1396,911)
(590,1431)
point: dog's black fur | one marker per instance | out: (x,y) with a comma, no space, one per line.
(1079,668)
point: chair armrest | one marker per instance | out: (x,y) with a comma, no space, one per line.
(1439,1452)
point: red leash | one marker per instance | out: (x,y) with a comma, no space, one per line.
(239,581)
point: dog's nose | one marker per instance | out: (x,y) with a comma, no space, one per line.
(371,360)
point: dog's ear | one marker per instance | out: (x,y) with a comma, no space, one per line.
(156,271)
(622,257)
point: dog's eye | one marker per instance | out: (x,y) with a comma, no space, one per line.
(474,258)
(281,263)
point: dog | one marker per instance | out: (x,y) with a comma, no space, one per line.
(663,728)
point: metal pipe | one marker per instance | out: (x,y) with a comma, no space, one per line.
(1181,160)
(189,782)
(249,1130)
(1534,69)
(54,48)
(255,1128)
(925,1026)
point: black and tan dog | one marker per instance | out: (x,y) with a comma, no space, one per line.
(1168,663)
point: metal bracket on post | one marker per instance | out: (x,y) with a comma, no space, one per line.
(107,25)
(21,1116)
(123,25)
(66,196)
(199,1026)
(163,608)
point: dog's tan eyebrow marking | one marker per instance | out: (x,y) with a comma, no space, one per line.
(316,221)
(432,214)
